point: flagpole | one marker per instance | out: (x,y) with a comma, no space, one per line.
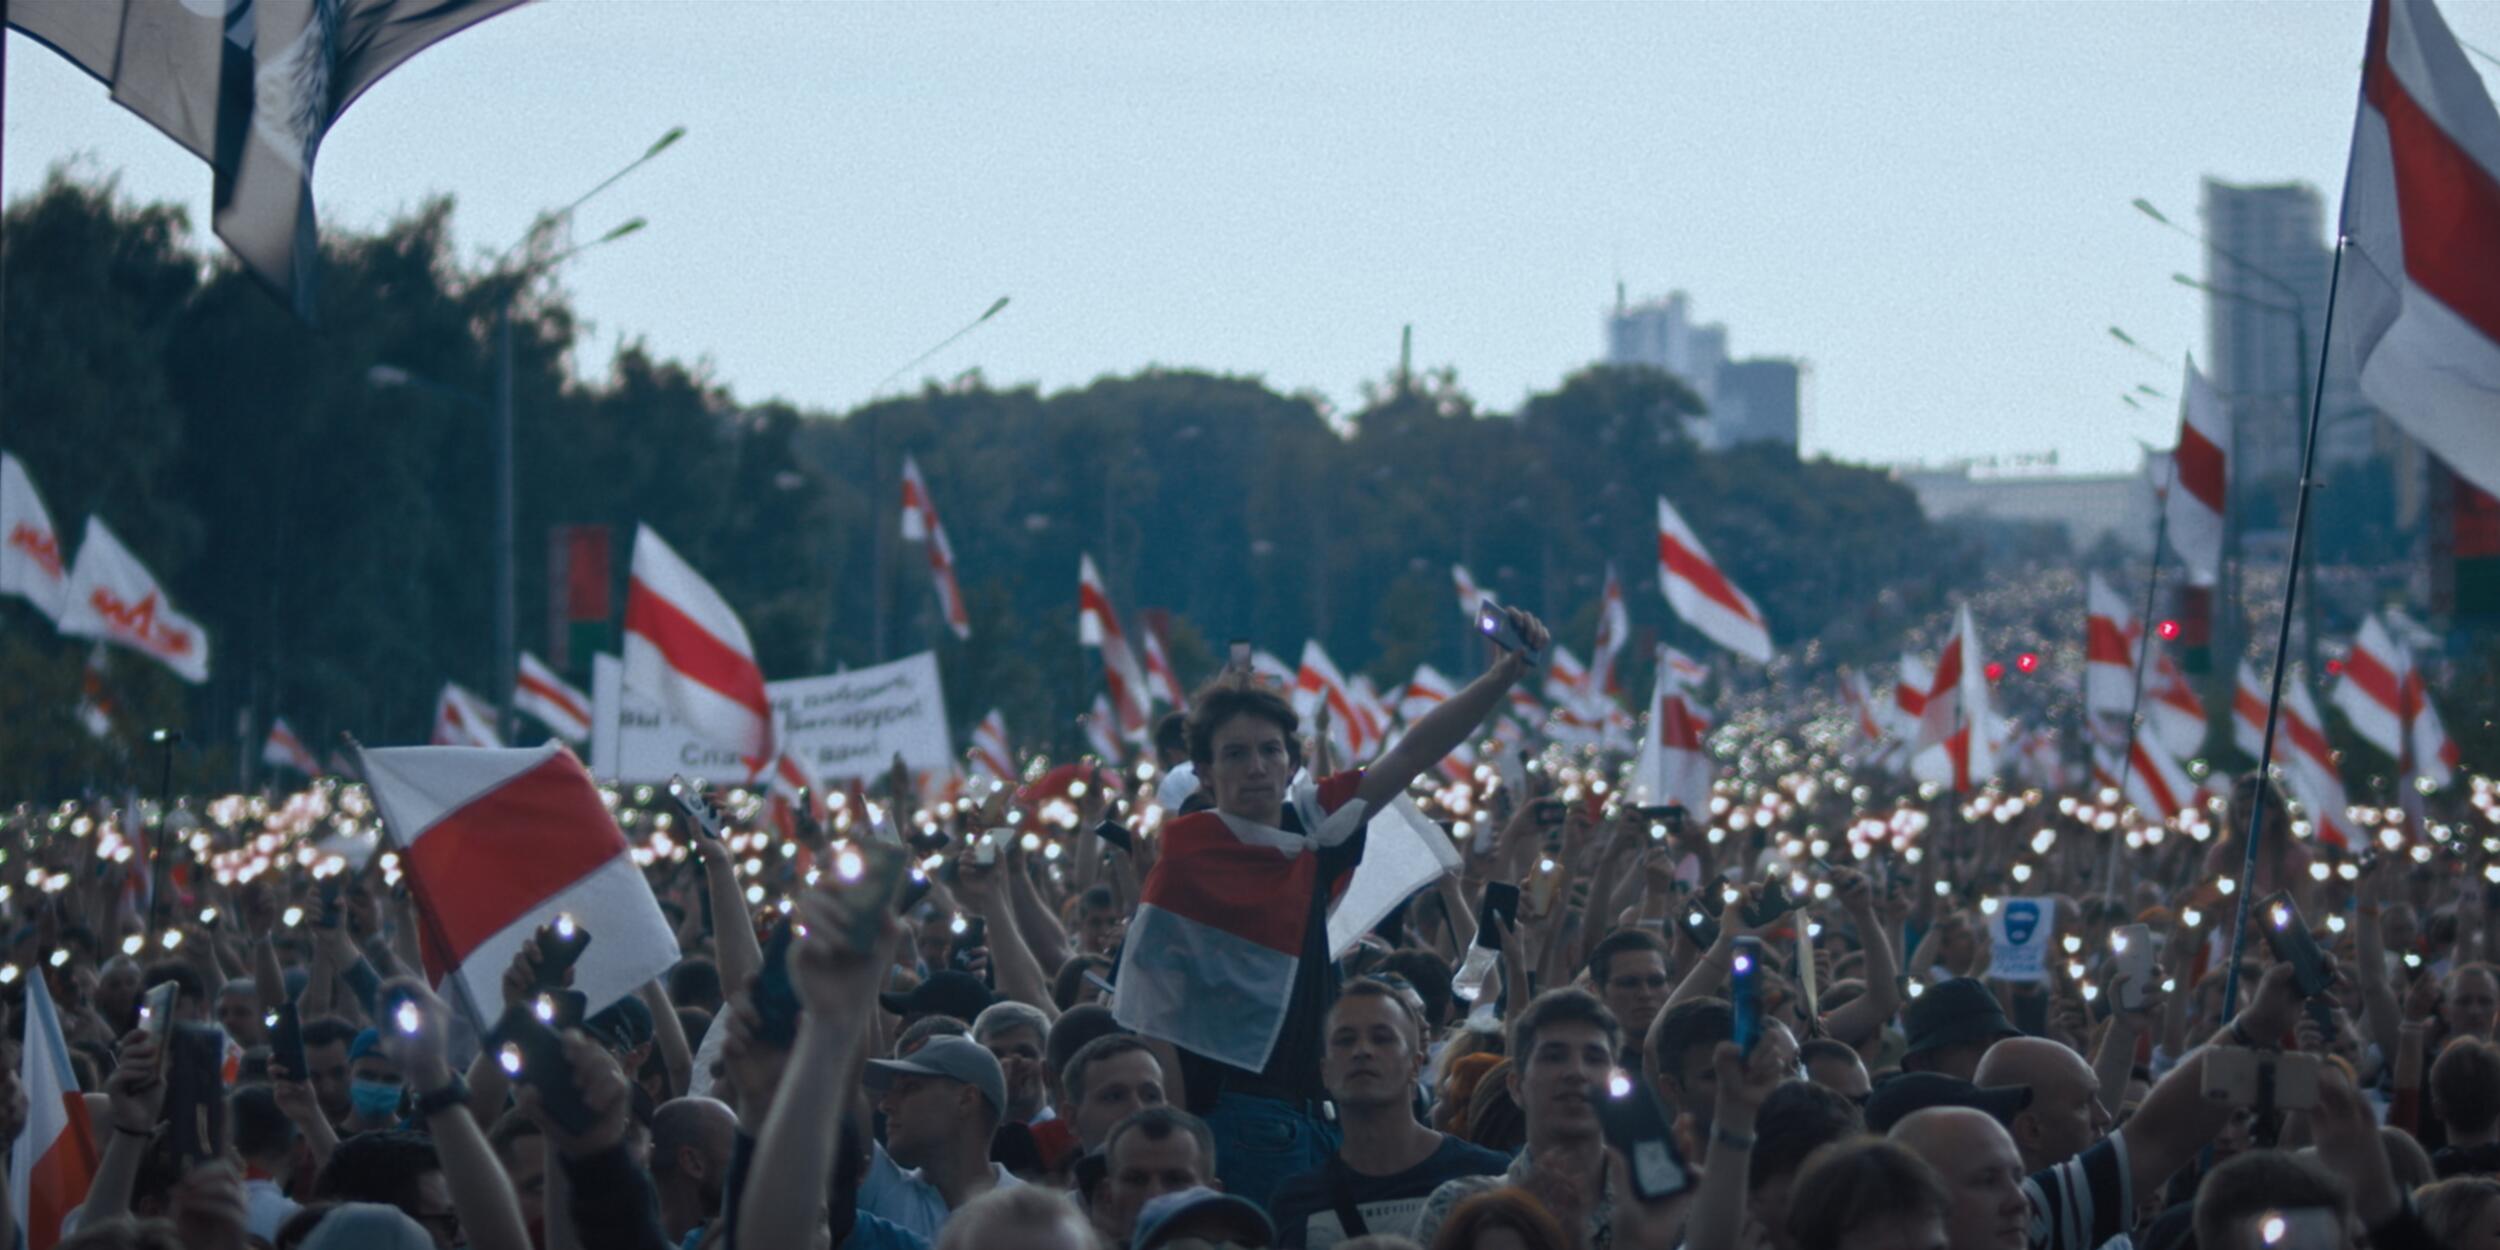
(2283,633)
(2143,654)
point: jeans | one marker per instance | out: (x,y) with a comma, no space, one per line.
(1261,1141)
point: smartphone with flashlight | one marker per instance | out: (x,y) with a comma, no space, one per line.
(1769,905)
(1635,1125)
(697,806)
(560,946)
(1699,928)
(286,1044)
(156,1009)
(1499,906)
(2131,956)
(400,1012)
(195,1092)
(872,876)
(533,1054)
(2292,943)
(1744,992)
(1497,627)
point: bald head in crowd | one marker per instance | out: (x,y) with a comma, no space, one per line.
(691,1143)
(1982,1173)
(2066,1114)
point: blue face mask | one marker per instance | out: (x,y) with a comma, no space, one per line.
(374,1100)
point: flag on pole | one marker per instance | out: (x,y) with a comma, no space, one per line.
(1956,714)
(2109,651)
(1861,705)
(990,754)
(113,597)
(283,749)
(1674,763)
(2199,479)
(2301,750)
(1469,597)
(2173,712)
(1614,628)
(1909,690)
(2154,781)
(685,647)
(2431,751)
(250,89)
(1160,678)
(1098,626)
(1102,731)
(1688,670)
(921,525)
(2371,695)
(2420,298)
(30,549)
(1703,595)
(461,719)
(53,1159)
(496,843)
(1319,683)
(558,706)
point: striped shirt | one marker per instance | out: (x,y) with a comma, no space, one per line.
(2085,1201)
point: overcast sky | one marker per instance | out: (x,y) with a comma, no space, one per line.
(1926,202)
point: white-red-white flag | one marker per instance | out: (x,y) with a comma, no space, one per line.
(2300,750)
(2109,651)
(1702,595)
(2429,749)
(283,749)
(1956,715)
(2371,695)
(1861,704)
(1909,690)
(2199,479)
(1369,709)
(30,549)
(1165,683)
(557,705)
(1269,669)
(1674,761)
(1688,670)
(1318,684)
(921,525)
(113,597)
(990,755)
(462,719)
(2148,777)
(1566,678)
(2420,292)
(1614,629)
(1098,626)
(1102,731)
(1470,598)
(2174,714)
(686,648)
(53,1160)
(1426,690)
(496,843)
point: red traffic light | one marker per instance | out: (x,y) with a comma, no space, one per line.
(2028,661)
(2167,629)
(1995,670)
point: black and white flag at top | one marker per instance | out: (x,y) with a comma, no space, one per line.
(249,86)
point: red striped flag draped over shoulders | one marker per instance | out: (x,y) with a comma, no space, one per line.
(1210,960)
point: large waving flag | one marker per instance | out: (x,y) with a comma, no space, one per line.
(1098,626)
(2109,651)
(1956,715)
(2148,777)
(685,647)
(2173,712)
(53,1159)
(2432,753)
(30,549)
(2371,695)
(2199,479)
(113,597)
(1909,690)
(285,750)
(557,705)
(2420,299)
(2300,748)
(921,525)
(250,89)
(498,842)
(1674,763)
(462,719)
(1702,595)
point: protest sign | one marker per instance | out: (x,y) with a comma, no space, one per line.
(2021,931)
(838,726)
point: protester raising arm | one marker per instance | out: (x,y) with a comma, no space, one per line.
(1718,1211)
(490,1215)
(2177,1120)
(1446,726)
(137,1098)
(734,947)
(1860,1017)
(669,1033)
(980,889)
(612,1203)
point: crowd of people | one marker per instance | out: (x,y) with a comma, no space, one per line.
(1777,1024)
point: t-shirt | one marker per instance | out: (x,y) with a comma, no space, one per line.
(1292,1071)
(2085,1201)
(1305,1206)
(904,1198)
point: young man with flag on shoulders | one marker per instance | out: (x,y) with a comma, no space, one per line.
(1227,958)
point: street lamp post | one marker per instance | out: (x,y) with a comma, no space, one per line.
(507,280)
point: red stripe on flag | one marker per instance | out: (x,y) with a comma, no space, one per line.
(1208,875)
(2103,644)
(553,695)
(2373,678)
(2449,204)
(1703,575)
(692,650)
(58,1181)
(2200,467)
(509,850)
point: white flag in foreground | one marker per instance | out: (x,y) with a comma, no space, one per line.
(113,597)
(496,843)
(2420,292)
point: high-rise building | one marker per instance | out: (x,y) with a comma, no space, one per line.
(1743,400)
(2267,273)
(1757,402)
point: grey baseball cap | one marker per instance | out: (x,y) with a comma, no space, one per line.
(955,1059)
